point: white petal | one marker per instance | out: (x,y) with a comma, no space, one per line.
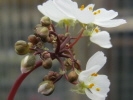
(84,75)
(93,96)
(110,23)
(97,59)
(105,15)
(49,9)
(102,82)
(84,16)
(102,39)
(68,7)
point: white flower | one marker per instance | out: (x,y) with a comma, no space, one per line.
(58,10)
(100,17)
(101,38)
(95,86)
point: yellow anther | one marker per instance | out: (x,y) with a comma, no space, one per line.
(91,85)
(96,30)
(98,11)
(94,74)
(97,89)
(90,8)
(82,7)
(95,13)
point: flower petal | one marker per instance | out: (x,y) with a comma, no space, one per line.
(68,7)
(93,96)
(102,82)
(84,75)
(105,15)
(102,39)
(110,23)
(84,16)
(49,9)
(97,59)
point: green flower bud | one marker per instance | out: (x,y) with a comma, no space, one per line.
(28,63)
(45,21)
(46,88)
(44,34)
(72,76)
(21,47)
(47,63)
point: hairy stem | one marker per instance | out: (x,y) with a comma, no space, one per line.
(20,80)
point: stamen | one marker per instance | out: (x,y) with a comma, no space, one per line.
(96,30)
(97,89)
(95,13)
(90,8)
(82,7)
(98,11)
(91,85)
(94,74)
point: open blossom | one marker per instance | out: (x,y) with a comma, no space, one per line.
(100,17)
(58,10)
(101,38)
(95,86)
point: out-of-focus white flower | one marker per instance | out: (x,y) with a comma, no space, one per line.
(100,17)
(95,86)
(58,10)
(101,38)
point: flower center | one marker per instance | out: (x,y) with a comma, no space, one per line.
(97,89)
(91,85)
(90,8)
(94,74)
(82,7)
(97,12)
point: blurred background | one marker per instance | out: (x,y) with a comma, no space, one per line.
(17,20)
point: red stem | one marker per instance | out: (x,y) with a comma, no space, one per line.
(20,80)
(80,35)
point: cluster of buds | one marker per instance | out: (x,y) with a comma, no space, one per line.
(63,52)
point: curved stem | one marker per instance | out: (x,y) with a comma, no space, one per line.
(80,35)
(20,80)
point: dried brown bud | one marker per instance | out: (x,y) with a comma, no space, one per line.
(46,55)
(33,39)
(72,76)
(47,63)
(21,47)
(45,21)
(68,64)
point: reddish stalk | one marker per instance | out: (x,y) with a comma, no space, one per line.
(20,80)
(80,35)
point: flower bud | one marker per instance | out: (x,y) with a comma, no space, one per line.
(28,63)
(44,34)
(33,39)
(68,64)
(21,47)
(46,88)
(47,63)
(72,76)
(45,21)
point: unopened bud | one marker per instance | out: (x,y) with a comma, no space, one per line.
(44,34)
(72,76)
(47,63)
(28,63)
(45,21)
(33,39)
(46,88)
(21,47)
(30,46)
(68,64)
